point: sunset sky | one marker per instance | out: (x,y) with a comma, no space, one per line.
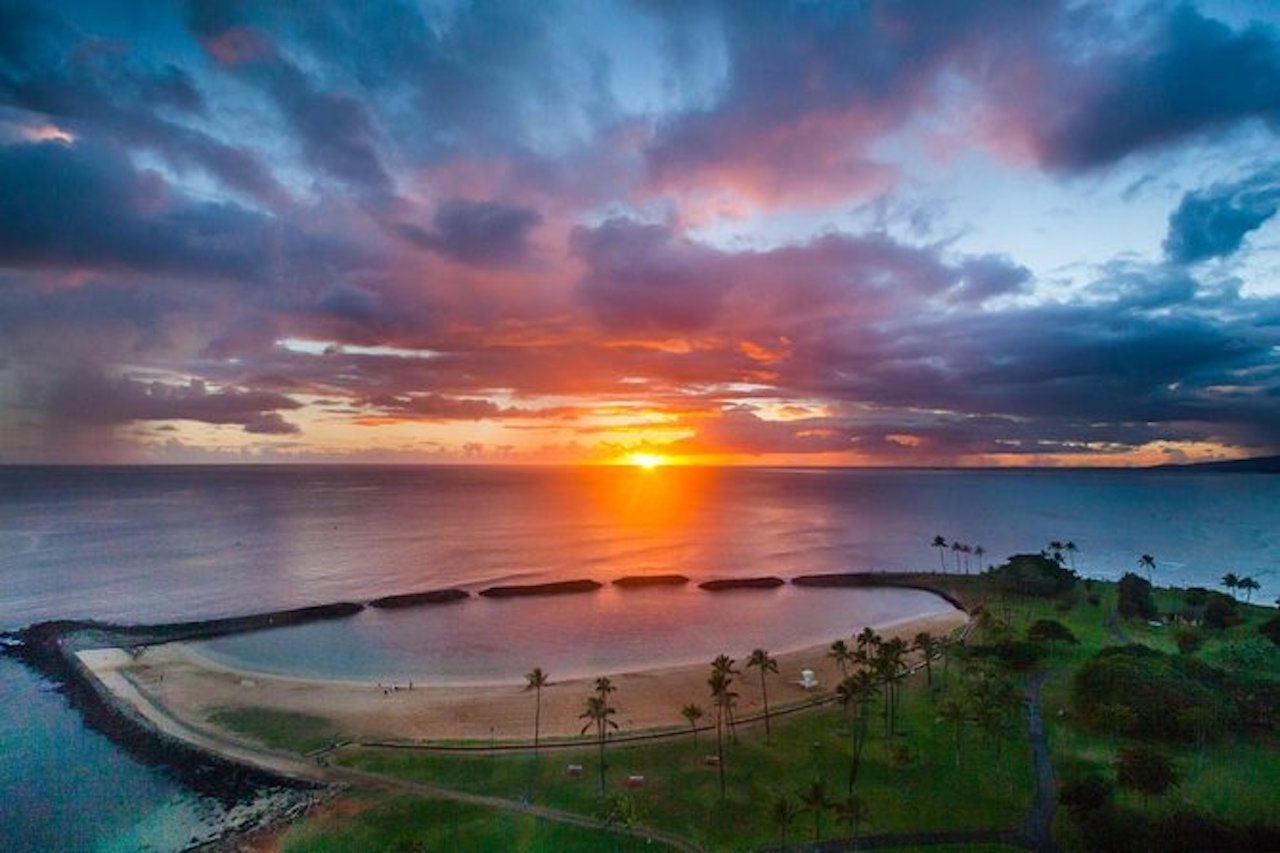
(852,233)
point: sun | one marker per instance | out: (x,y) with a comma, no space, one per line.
(647,461)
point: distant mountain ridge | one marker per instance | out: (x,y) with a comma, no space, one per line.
(1254,465)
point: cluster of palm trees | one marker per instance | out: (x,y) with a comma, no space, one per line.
(1063,551)
(1233,582)
(959,550)
(851,810)
(597,712)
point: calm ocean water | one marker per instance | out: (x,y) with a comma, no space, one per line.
(185,543)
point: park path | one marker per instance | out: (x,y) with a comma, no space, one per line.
(291,766)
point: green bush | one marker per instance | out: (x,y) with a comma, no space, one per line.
(1049,631)
(1142,693)
(1034,575)
(1134,597)
(1271,629)
(1188,638)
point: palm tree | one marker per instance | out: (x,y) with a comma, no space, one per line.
(1071,549)
(1055,548)
(784,812)
(599,713)
(888,667)
(979,551)
(941,545)
(1249,585)
(1148,562)
(692,713)
(604,687)
(537,680)
(1232,582)
(724,664)
(858,690)
(766,663)
(867,642)
(840,653)
(719,683)
(853,810)
(956,548)
(814,799)
(927,644)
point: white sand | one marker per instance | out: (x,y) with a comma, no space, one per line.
(189,688)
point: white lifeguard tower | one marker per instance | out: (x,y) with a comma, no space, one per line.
(807,679)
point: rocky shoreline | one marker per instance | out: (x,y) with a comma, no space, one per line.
(247,799)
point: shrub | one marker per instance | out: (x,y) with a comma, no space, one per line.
(1085,795)
(1146,770)
(1050,630)
(1094,599)
(1189,639)
(1271,629)
(1033,574)
(1221,612)
(1134,597)
(1142,693)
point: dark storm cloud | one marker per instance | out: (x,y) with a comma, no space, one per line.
(94,87)
(1213,223)
(82,205)
(334,129)
(86,397)
(484,233)
(1190,74)
(810,86)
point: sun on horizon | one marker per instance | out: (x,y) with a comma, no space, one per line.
(646,461)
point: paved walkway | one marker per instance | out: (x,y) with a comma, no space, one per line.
(290,766)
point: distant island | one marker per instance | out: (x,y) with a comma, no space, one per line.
(1253,465)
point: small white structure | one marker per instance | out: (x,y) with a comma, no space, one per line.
(573,770)
(807,679)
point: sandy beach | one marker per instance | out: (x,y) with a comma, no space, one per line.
(191,687)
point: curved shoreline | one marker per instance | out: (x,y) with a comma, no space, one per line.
(130,706)
(177,679)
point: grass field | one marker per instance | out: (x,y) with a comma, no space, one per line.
(908,782)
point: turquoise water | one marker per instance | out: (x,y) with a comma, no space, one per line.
(147,545)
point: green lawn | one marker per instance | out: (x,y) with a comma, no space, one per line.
(909,782)
(681,793)
(293,732)
(412,823)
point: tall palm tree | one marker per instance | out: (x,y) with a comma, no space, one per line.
(537,679)
(692,713)
(978,552)
(719,683)
(814,799)
(956,548)
(604,687)
(1249,585)
(784,812)
(927,645)
(1232,582)
(888,667)
(941,545)
(1071,549)
(599,713)
(766,663)
(853,810)
(866,642)
(724,664)
(839,652)
(1148,562)
(858,691)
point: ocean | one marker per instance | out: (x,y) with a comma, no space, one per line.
(163,544)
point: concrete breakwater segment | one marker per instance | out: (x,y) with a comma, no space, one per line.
(415,599)
(640,581)
(534,589)
(741,583)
